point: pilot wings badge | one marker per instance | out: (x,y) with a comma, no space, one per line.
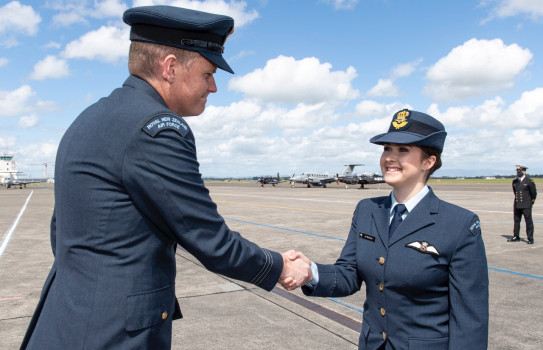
(423,247)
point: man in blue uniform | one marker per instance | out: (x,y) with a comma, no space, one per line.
(128,191)
(525,194)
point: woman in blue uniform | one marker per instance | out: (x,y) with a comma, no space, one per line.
(422,259)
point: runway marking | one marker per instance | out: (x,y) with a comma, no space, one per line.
(288,208)
(330,314)
(516,273)
(348,202)
(321,310)
(8,234)
(337,300)
(286,198)
(14,298)
(287,229)
(344,240)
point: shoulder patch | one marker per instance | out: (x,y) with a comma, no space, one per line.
(165,121)
(475,226)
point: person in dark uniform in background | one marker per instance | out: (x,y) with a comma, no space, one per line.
(525,194)
(422,259)
(128,191)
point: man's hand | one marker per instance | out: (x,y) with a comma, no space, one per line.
(296,270)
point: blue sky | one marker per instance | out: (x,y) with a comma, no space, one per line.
(315,80)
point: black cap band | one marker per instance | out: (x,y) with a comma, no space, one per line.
(416,127)
(176,37)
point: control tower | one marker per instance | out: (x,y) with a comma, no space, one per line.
(8,167)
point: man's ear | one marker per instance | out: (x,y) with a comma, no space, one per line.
(169,67)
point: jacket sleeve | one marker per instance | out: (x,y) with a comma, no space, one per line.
(468,288)
(53,233)
(533,190)
(342,278)
(161,174)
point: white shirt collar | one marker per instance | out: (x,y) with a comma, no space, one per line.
(411,203)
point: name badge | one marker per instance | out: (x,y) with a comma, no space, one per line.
(366,236)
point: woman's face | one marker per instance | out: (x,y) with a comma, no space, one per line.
(404,166)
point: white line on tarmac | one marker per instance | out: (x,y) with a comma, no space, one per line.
(348,202)
(8,234)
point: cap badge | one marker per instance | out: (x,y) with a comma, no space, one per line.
(401,119)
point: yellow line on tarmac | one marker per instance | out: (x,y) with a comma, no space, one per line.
(279,207)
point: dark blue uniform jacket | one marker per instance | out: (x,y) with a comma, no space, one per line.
(426,287)
(127,191)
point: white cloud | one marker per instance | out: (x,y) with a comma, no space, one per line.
(108,8)
(525,113)
(369,108)
(73,12)
(3,61)
(387,87)
(21,101)
(249,117)
(107,44)
(8,42)
(34,155)
(7,142)
(384,88)
(493,135)
(476,68)
(342,4)
(287,80)
(240,55)
(526,139)
(509,8)
(405,69)
(15,17)
(52,45)
(28,121)
(50,67)
(300,138)
(65,19)
(235,9)
(312,137)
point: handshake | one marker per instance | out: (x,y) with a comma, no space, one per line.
(296,270)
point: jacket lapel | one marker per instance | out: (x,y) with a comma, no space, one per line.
(381,217)
(421,216)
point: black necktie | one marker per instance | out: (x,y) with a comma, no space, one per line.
(399,210)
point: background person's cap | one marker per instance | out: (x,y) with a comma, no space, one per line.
(413,128)
(186,29)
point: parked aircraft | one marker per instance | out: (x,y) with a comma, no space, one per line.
(13,182)
(312,179)
(361,179)
(271,180)
(316,179)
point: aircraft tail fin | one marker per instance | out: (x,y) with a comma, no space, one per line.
(349,169)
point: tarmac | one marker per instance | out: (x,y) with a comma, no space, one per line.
(222,313)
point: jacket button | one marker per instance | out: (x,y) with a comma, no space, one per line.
(384,336)
(381,260)
(164,315)
(383,312)
(381,287)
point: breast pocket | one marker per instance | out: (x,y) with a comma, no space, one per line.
(146,309)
